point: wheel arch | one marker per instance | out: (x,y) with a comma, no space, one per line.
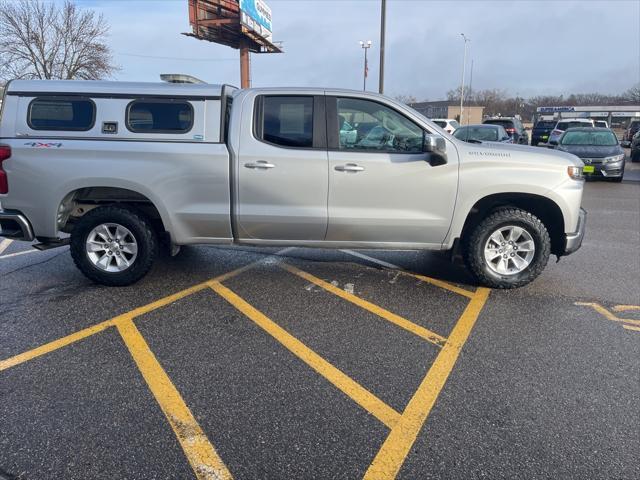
(82,199)
(548,211)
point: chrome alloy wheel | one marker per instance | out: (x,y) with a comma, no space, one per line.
(111,247)
(509,250)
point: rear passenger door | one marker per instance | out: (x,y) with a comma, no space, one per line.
(282,166)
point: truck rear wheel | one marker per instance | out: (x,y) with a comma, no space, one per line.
(508,249)
(114,246)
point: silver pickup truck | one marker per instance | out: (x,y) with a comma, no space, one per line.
(126,167)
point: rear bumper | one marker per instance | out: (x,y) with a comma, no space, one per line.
(573,241)
(15,225)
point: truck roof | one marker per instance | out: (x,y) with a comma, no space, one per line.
(113,88)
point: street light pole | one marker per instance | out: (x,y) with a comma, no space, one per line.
(366,46)
(470,88)
(383,23)
(464,63)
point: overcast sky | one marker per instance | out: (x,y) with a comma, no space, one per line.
(524,47)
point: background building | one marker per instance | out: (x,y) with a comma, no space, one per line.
(449,109)
(617,116)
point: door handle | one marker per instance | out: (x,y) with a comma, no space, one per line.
(260,164)
(349,167)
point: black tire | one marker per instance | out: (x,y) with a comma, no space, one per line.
(139,227)
(478,237)
(635,157)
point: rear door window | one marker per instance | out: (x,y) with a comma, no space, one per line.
(159,116)
(61,113)
(286,121)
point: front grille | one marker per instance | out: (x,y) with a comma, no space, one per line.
(592,161)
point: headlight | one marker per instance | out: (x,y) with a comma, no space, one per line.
(614,159)
(575,172)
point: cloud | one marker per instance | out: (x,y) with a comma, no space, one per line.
(525,47)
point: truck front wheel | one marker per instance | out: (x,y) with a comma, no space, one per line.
(113,245)
(508,249)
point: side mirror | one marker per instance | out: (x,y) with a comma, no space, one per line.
(437,147)
(435,144)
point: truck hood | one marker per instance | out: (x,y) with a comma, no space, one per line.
(522,153)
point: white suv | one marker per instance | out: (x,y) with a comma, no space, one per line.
(449,125)
(566,123)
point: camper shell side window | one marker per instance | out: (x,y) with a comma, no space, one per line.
(74,114)
(159,116)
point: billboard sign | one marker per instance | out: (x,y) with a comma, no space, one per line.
(256,16)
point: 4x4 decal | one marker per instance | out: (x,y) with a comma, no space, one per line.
(43,145)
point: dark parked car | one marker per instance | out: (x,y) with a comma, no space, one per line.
(635,147)
(482,133)
(513,126)
(541,131)
(632,129)
(599,150)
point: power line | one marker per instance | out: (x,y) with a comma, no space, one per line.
(177,58)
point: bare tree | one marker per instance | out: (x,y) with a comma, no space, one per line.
(52,41)
(633,94)
(406,99)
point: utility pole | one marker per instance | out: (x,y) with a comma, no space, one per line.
(470,90)
(464,63)
(366,46)
(383,27)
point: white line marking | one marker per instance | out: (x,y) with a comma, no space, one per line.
(19,253)
(4,244)
(371,259)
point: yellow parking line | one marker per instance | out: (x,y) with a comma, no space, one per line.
(202,456)
(343,382)
(626,308)
(606,313)
(389,459)
(401,322)
(56,344)
(433,281)
(629,327)
(87,332)
(4,244)
(441,284)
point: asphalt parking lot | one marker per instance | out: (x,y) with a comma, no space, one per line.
(279,364)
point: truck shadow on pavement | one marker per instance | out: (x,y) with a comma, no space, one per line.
(437,265)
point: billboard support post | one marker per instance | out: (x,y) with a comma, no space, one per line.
(245,69)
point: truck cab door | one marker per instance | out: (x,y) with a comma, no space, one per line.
(281,168)
(383,187)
